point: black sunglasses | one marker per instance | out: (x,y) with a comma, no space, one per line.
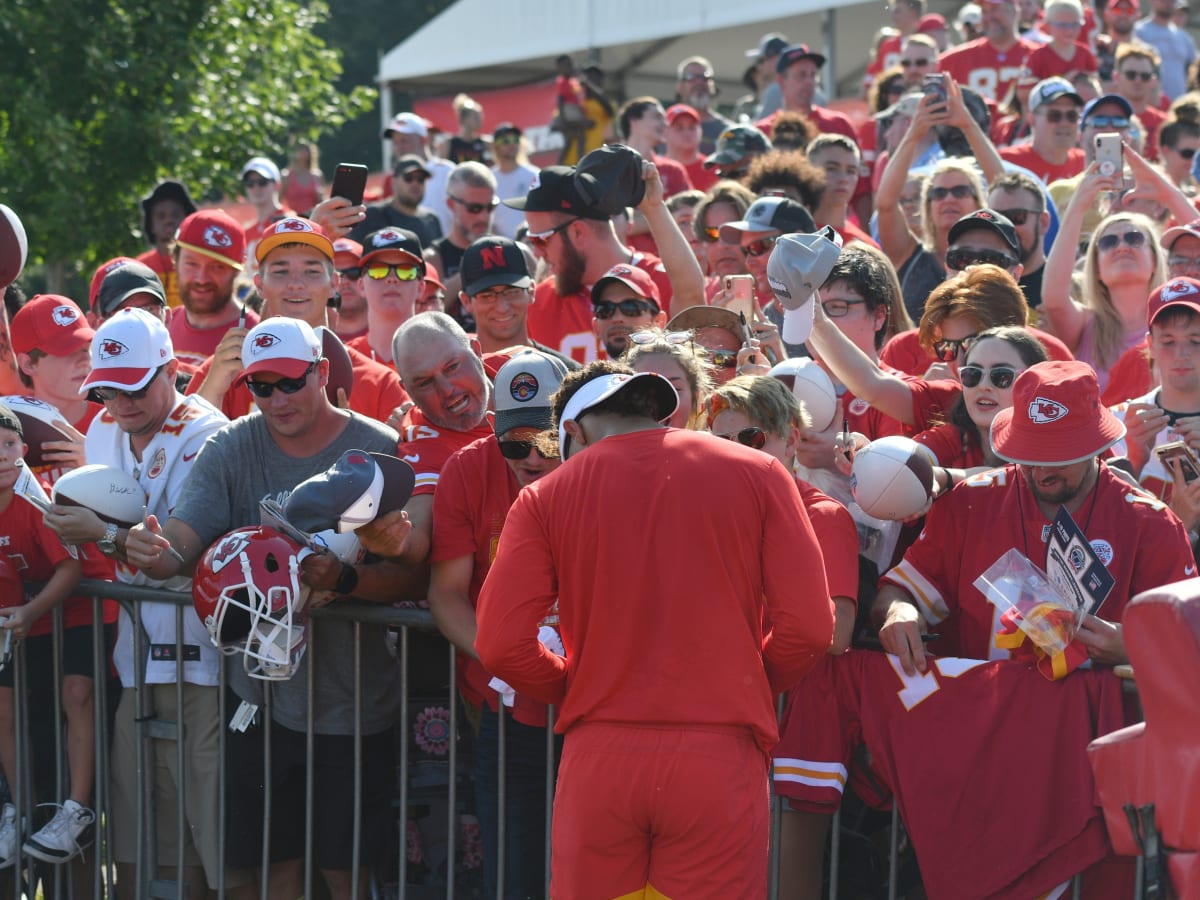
(286,385)
(112,393)
(1019,216)
(1000,376)
(960,258)
(1110,241)
(948,350)
(958,192)
(749,437)
(353,273)
(475,208)
(516,450)
(1187,152)
(630,309)
(761,247)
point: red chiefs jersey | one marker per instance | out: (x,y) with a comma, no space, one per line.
(1044,62)
(986,70)
(1024,155)
(887,55)
(987,762)
(427,447)
(1152,120)
(948,447)
(1130,375)
(838,536)
(1139,540)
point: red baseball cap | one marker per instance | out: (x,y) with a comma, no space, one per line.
(681,109)
(1176,292)
(215,234)
(637,280)
(104,268)
(1056,418)
(346,253)
(51,323)
(931,22)
(293,230)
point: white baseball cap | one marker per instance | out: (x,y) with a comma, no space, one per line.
(127,350)
(280,345)
(260,165)
(600,389)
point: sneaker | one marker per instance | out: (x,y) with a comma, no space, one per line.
(58,840)
(8,836)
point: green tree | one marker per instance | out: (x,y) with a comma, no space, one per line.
(105,97)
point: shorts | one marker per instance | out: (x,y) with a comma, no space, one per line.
(333,803)
(77,657)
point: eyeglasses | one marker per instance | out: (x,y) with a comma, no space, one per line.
(110,393)
(958,192)
(749,437)
(1183,262)
(761,247)
(517,450)
(382,271)
(642,338)
(255,182)
(710,234)
(1134,76)
(263,390)
(475,208)
(539,239)
(1054,116)
(915,63)
(414,177)
(723,359)
(1000,376)
(353,273)
(960,258)
(837,307)
(630,308)
(1018,216)
(1108,122)
(948,350)
(1133,239)
(511,294)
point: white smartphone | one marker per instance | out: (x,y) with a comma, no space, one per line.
(1109,153)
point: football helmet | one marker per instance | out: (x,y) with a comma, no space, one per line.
(247,592)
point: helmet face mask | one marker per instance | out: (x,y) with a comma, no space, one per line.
(247,593)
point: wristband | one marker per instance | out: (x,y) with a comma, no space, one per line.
(347,580)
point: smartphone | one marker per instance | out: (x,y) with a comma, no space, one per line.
(1180,451)
(349,181)
(739,291)
(1109,153)
(934,85)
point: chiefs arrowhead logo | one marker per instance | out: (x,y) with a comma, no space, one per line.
(263,341)
(64,316)
(387,237)
(292,224)
(215,236)
(535,183)
(229,549)
(620,272)
(109,349)
(1173,290)
(1043,411)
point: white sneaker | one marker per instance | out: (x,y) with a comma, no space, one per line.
(58,840)
(8,836)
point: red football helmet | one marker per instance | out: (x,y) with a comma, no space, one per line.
(247,592)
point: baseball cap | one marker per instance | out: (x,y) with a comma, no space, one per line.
(930,23)
(770,214)
(1050,89)
(215,234)
(260,165)
(524,386)
(122,282)
(492,261)
(735,144)
(677,110)
(406,123)
(989,220)
(1175,232)
(165,190)
(346,253)
(410,163)
(771,45)
(596,391)
(794,54)
(101,271)
(10,420)
(1176,292)
(553,190)
(637,280)
(506,128)
(797,266)
(969,14)
(127,351)
(1105,98)
(350,493)
(1056,418)
(51,323)
(1111,3)
(398,240)
(431,279)
(292,230)
(280,345)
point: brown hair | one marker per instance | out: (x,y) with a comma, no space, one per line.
(988,294)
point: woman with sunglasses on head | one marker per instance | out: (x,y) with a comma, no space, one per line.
(677,358)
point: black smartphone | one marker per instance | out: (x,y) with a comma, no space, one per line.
(935,85)
(349,181)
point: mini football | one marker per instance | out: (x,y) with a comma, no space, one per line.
(811,386)
(112,494)
(341,369)
(40,422)
(892,478)
(14,246)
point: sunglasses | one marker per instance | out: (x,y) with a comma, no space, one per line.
(414,177)
(517,450)
(1133,239)
(513,139)
(761,247)
(1117,122)
(698,76)
(630,309)
(1134,76)
(958,192)
(723,359)
(710,234)
(539,239)
(949,349)
(748,437)
(1054,116)
(1018,216)
(382,271)
(1000,376)
(838,308)
(915,63)
(285,385)
(475,208)
(255,182)
(353,273)
(960,258)
(111,393)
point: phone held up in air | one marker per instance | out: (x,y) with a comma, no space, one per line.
(349,181)
(1178,450)
(739,293)
(934,85)
(1109,153)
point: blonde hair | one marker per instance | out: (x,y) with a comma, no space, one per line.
(691,358)
(954,164)
(764,400)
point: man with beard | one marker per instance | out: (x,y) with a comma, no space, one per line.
(1019,198)
(209,249)
(579,244)
(1119,17)
(471,197)
(697,89)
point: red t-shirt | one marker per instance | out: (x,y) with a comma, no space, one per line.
(667,630)
(980,66)
(946,443)
(1152,120)
(427,447)
(164,268)
(674,175)
(905,353)
(194,345)
(1044,62)
(702,179)
(828,121)
(1025,155)
(1130,375)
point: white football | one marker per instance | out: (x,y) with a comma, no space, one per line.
(811,386)
(892,478)
(40,422)
(113,495)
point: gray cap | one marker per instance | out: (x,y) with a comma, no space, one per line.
(123,282)
(524,386)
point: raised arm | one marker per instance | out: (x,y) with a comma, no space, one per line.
(687,281)
(895,236)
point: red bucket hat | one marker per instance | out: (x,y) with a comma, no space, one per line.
(1056,418)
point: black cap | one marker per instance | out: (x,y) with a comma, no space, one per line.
(506,128)
(553,190)
(770,45)
(165,190)
(990,220)
(123,282)
(794,54)
(492,261)
(400,240)
(408,163)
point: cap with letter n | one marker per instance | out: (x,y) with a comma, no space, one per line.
(281,346)
(492,261)
(129,347)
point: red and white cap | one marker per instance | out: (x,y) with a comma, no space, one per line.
(127,350)
(215,234)
(1176,292)
(346,253)
(51,323)
(1174,233)
(293,230)
(281,346)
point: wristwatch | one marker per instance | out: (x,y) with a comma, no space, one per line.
(108,543)
(347,580)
